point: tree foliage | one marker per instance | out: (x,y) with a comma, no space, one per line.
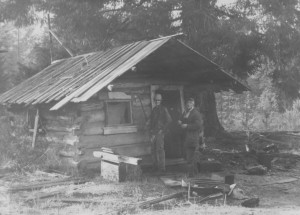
(90,25)
(278,22)
(243,38)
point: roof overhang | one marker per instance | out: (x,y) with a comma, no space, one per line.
(78,78)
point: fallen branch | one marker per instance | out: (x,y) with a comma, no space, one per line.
(288,180)
(43,195)
(47,184)
(161,199)
(210,197)
(79,201)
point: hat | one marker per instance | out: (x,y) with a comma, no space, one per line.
(190,99)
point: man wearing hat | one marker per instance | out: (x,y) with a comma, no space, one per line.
(191,123)
(159,122)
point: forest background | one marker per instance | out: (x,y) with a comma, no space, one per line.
(258,40)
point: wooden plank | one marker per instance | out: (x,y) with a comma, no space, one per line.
(129,84)
(118,95)
(113,140)
(35,129)
(133,90)
(117,158)
(119,129)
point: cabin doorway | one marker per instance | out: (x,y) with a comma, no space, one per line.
(173,101)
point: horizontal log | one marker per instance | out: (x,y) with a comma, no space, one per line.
(134,150)
(119,130)
(52,125)
(118,95)
(93,141)
(88,106)
(93,116)
(92,128)
(58,128)
(59,134)
(63,118)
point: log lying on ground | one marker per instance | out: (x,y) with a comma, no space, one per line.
(210,197)
(47,184)
(79,201)
(283,181)
(43,195)
(161,199)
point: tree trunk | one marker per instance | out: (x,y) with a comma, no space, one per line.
(207,106)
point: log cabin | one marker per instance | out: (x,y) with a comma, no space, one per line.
(104,99)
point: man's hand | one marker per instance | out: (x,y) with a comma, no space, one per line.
(184,125)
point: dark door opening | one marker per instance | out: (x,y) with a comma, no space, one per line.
(173,138)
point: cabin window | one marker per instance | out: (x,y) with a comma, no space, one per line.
(118,112)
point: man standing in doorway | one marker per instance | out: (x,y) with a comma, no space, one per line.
(191,123)
(159,121)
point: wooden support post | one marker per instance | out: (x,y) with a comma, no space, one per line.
(35,129)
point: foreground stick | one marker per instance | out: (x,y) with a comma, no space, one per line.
(161,199)
(48,184)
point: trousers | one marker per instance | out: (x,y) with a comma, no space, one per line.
(192,158)
(158,152)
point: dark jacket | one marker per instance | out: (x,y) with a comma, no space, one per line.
(194,128)
(159,119)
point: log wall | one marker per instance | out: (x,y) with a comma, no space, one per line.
(91,134)
(81,126)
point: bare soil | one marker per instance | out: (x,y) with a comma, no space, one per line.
(122,198)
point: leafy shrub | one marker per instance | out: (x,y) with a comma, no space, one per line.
(16,144)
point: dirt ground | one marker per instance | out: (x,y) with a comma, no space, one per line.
(122,198)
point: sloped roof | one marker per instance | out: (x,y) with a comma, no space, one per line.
(78,78)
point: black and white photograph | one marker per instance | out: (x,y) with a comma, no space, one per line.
(150,107)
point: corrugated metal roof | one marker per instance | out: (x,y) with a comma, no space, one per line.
(78,78)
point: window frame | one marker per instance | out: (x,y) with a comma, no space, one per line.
(129,101)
